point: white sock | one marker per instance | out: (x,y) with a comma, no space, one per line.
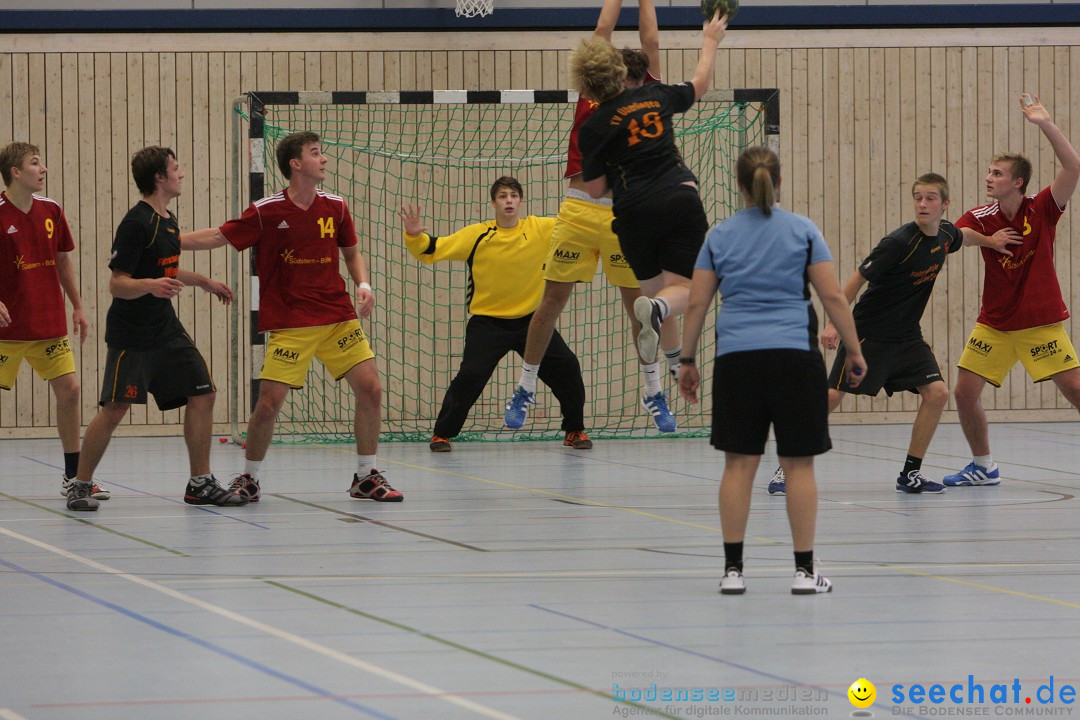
(651,374)
(673,356)
(986,461)
(528,376)
(251,467)
(365,464)
(198,480)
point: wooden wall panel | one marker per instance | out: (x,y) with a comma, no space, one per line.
(860,118)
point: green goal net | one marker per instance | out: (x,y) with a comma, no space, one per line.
(443,150)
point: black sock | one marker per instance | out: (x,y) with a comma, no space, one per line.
(732,556)
(805,561)
(71,464)
(912,463)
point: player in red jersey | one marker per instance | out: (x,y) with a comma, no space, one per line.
(583,235)
(36,271)
(1022,312)
(305,307)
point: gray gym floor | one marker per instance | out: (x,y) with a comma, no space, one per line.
(527,580)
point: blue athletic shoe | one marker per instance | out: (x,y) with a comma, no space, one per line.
(974,475)
(778,484)
(517,408)
(915,483)
(656,405)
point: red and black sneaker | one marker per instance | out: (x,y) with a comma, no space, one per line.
(578,440)
(246,487)
(373,486)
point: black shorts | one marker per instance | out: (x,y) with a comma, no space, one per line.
(782,388)
(172,373)
(664,231)
(895,366)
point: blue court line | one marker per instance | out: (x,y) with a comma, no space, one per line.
(703,656)
(160,497)
(206,644)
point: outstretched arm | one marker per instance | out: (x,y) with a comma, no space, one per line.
(1065,182)
(207,239)
(713,32)
(609,16)
(218,289)
(649,35)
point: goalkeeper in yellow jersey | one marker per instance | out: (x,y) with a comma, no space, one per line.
(505,257)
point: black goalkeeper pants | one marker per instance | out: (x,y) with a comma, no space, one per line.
(487,340)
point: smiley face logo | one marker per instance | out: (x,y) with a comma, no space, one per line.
(862,693)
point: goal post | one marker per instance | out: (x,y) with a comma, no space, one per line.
(443,149)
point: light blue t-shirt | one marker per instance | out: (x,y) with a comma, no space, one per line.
(761,262)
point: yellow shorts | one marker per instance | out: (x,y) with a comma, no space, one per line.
(339,347)
(1045,351)
(49,358)
(583,234)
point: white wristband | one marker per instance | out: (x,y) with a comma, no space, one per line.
(364,286)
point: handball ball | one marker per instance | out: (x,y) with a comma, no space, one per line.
(729,7)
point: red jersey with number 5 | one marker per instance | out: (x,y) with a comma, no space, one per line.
(296,257)
(29,284)
(1021,291)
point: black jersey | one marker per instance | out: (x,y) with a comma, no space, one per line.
(147,245)
(631,140)
(901,271)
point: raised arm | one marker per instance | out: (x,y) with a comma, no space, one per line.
(609,17)
(713,33)
(649,35)
(1069,160)
(218,289)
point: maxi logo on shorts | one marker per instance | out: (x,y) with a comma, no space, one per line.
(60,347)
(287,357)
(979,346)
(351,339)
(565,256)
(1041,352)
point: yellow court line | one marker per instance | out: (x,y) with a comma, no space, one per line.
(980,586)
(285,635)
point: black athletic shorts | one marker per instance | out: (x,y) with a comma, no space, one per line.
(895,366)
(783,388)
(663,231)
(171,373)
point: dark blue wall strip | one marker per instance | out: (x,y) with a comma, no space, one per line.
(418,19)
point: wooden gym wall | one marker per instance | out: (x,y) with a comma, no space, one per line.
(863,113)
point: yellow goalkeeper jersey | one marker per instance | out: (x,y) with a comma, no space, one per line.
(506,265)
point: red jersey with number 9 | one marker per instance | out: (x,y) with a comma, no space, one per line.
(29,283)
(296,257)
(1021,291)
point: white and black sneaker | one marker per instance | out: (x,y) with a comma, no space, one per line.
(915,483)
(733,583)
(210,492)
(97,492)
(810,584)
(647,313)
(79,496)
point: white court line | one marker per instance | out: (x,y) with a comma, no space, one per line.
(6,714)
(268,629)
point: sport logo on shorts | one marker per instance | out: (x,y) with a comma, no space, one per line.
(60,346)
(1041,352)
(351,339)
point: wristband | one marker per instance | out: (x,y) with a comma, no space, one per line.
(687,361)
(364,286)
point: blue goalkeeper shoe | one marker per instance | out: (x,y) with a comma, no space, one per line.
(517,407)
(656,405)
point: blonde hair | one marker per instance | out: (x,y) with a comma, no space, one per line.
(758,172)
(597,70)
(13,156)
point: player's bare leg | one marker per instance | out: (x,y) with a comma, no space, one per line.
(260,429)
(935,396)
(363,378)
(1068,383)
(67,392)
(542,324)
(198,425)
(969,408)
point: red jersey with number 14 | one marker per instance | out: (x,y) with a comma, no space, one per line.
(296,257)
(1021,291)
(29,284)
